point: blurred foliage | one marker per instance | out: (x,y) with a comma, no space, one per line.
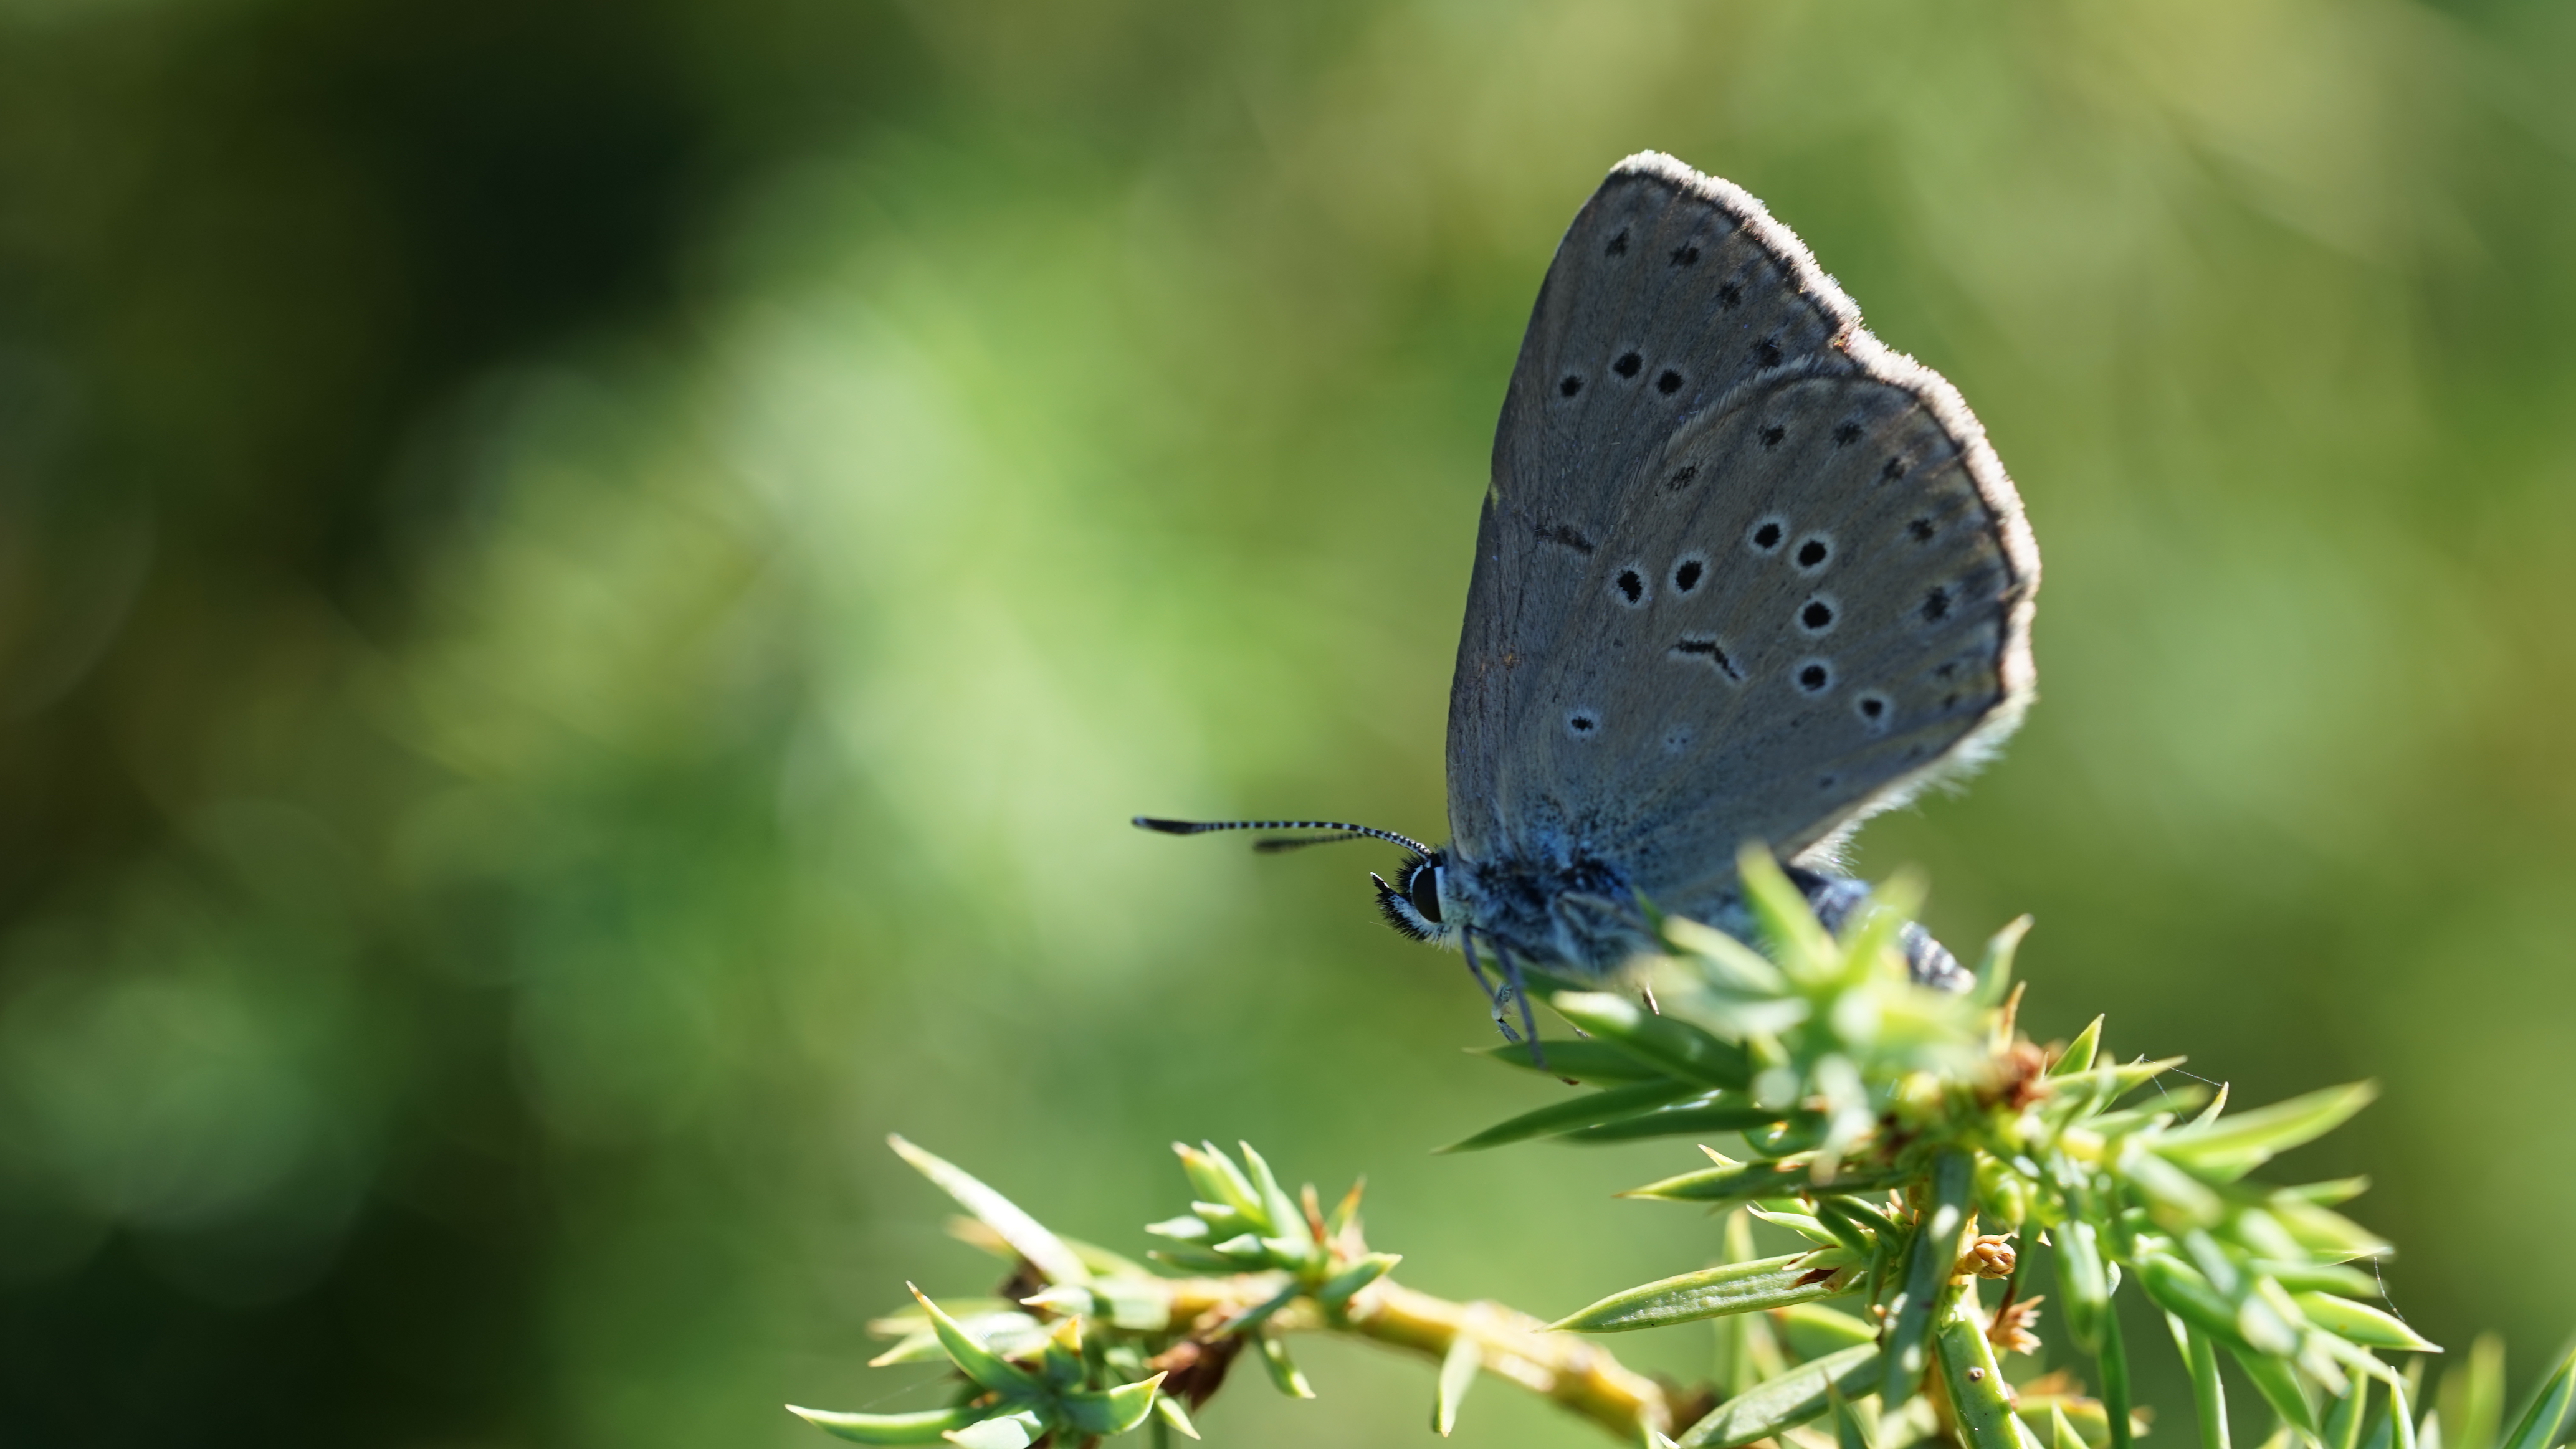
(585,593)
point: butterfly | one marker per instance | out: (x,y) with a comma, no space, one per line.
(1743,574)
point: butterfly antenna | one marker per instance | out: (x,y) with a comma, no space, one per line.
(1341,830)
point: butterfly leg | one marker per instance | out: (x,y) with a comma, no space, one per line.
(1519,989)
(1467,939)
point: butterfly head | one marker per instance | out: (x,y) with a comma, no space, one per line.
(1411,902)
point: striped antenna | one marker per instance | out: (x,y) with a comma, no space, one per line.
(1342,830)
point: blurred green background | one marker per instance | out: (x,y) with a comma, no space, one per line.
(586,590)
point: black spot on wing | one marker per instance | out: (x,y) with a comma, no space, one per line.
(1691,647)
(1564,535)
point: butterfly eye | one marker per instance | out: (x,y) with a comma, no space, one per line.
(1422,887)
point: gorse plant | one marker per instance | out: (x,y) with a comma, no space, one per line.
(1920,1145)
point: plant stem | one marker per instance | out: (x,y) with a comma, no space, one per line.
(2114,1363)
(2208,1392)
(1572,1370)
(1974,1381)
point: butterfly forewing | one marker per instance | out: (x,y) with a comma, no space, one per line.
(1742,574)
(1662,300)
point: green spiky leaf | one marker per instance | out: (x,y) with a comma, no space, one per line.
(1693,1117)
(1785,1402)
(926,1427)
(1848,1431)
(1594,1063)
(1114,1411)
(2279,1386)
(1666,1042)
(2230,1147)
(1221,1182)
(2363,1324)
(1592,1109)
(2086,1418)
(2542,1423)
(1995,968)
(1045,1251)
(1285,1376)
(2471,1403)
(2208,1390)
(1797,940)
(1458,1369)
(1169,1410)
(1016,1430)
(1280,1209)
(973,1357)
(1338,1289)
(1715,1292)
(2079,1053)
(1814,1330)
(1748,1182)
